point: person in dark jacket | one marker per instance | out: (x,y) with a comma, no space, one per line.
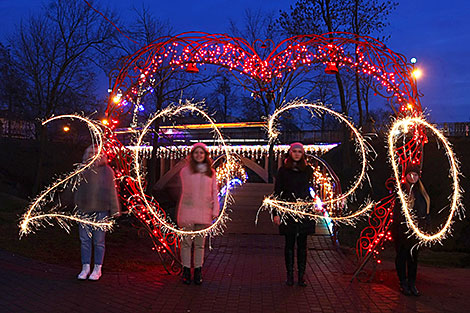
(293,182)
(96,197)
(406,245)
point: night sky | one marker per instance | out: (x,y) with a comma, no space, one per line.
(436,32)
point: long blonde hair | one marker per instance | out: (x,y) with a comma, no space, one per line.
(425,195)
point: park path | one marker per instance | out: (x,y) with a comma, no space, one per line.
(243,273)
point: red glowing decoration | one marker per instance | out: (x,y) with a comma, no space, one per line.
(359,54)
(391,78)
(331,68)
(192,68)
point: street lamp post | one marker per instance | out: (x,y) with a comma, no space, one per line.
(416,73)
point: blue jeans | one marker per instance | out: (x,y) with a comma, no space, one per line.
(97,236)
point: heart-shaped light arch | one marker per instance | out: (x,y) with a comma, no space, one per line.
(264,68)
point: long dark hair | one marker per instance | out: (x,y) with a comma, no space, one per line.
(207,159)
(301,164)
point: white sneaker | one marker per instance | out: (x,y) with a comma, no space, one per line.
(96,274)
(85,271)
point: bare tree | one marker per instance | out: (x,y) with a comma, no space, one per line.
(360,17)
(264,33)
(168,83)
(325,94)
(325,17)
(366,18)
(380,121)
(223,98)
(257,25)
(13,89)
(54,50)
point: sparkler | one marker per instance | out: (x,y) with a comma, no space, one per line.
(33,218)
(300,207)
(405,125)
(166,225)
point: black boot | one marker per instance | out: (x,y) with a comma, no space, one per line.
(301,261)
(198,275)
(412,287)
(186,275)
(404,288)
(302,282)
(289,258)
(290,279)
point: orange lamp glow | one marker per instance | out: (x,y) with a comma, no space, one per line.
(417,73)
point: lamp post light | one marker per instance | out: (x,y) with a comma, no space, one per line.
(416,74)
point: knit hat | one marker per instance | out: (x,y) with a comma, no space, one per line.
(199,145)
(297,145)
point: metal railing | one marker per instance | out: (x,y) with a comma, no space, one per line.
(455,129)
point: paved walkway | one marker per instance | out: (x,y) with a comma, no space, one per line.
(243,273)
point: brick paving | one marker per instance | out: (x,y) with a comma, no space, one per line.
(243,273)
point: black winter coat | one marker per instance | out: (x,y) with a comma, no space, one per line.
(399,228)
(292,184)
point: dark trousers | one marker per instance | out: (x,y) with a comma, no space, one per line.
(301,252)
(405,259)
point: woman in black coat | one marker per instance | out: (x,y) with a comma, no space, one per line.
(406,245)
(293,182)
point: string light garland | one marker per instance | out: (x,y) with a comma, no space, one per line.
(324,188)
(263,76)
(228,171)
(34,218)
(252,151)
